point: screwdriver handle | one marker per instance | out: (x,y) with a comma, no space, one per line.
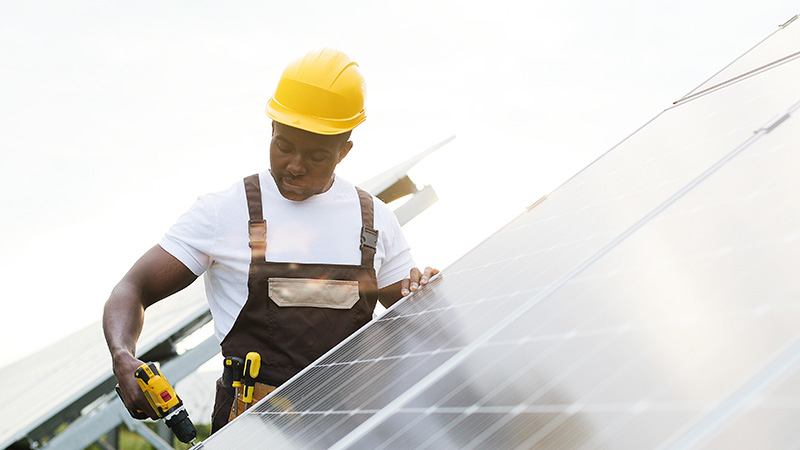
(252,365)
(232,372)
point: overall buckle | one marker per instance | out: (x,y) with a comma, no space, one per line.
(369,238)
(258,233)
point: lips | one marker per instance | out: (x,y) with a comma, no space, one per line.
(292,184)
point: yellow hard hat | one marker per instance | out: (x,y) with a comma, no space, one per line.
(323,93)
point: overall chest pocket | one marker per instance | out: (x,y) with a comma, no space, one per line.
(314,293)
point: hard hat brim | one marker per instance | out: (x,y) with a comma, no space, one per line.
(318,125)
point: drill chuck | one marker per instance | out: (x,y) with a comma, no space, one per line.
(180,424)
(165,402)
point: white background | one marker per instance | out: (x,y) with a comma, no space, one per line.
(116,115)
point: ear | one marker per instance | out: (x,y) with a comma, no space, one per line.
(345,150)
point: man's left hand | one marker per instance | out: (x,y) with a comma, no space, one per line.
(416,280)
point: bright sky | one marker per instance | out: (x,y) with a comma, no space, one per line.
(116,115)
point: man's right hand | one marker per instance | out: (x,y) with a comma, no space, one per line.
(125,366)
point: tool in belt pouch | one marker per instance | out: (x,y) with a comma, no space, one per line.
(240,376)
(252,365)
(232,379)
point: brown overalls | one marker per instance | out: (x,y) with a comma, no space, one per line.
(296,312)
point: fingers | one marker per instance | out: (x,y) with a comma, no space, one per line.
(410,284)
(429,272)
(132,395)
(137,402)
(417,279)
(426,276)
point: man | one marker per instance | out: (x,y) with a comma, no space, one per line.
(295,257)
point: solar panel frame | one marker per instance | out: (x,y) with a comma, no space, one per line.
(765,55)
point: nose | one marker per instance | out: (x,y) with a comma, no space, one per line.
(296,166)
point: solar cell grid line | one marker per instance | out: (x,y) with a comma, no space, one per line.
(470,405)
(464,432)
(441,371)
(415,348)
(377,338)
(444,395)
(570,433)
(517,430)
(459,391)
(557,403)
(414,367)
(380,341)
(376,369)
(427,329)
(336,375)
(416,429)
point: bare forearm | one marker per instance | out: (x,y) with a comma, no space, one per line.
(389,295)
(155,275)
(123,318)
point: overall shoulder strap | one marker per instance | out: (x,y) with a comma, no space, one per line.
(369,235)
(257,226)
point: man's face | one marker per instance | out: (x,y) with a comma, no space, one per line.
(302,163)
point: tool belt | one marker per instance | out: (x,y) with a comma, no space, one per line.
(261,390)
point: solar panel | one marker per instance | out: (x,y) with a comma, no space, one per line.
(650,302)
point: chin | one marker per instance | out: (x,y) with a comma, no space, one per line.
(295,195)
(291,195)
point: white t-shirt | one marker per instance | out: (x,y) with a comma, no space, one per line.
(212,238)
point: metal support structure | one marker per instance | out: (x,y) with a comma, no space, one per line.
(111,441)
(419,202)
(163,431)
(146,433)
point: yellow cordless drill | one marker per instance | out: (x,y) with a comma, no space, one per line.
(165,402)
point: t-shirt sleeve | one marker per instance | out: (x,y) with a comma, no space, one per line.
(398,260)
(191,239)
